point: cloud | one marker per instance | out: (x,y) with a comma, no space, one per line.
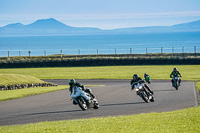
(101,16)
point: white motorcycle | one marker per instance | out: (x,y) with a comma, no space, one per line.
(142,91)
(83,99)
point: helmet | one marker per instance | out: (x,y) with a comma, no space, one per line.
(145,74)
(175,69)
(72,81)
(135,76)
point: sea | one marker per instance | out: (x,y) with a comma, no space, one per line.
(100,44)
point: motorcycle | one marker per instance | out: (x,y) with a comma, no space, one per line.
(142,91)
(148,79)
(83,99)
(175,81)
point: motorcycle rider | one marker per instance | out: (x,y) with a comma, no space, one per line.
(147,78)
(175,73)
(72,83)
(137,79)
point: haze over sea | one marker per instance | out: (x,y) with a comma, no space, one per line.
(100,44)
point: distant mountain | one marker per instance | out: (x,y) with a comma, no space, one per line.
(185,27)
(53,27)
(48,24)
(15,26)
(45,27)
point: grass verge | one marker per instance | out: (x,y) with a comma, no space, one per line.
(198,86)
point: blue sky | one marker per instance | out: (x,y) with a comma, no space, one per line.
(103,14)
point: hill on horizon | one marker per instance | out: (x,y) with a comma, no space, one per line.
(53,27)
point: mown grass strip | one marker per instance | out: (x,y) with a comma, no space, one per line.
(189,72)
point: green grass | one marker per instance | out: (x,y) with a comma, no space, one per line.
(186,120)
(189,72)
(12,79)
(14,94)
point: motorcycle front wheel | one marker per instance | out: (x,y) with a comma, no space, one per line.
(144,97)
(82,104)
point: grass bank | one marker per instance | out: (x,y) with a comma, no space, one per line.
(189,72)
(13,79)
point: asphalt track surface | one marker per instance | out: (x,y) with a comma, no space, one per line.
(115,98)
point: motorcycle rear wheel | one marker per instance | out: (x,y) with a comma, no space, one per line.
(152,99)
(96,105)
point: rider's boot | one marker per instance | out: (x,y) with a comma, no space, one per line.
(92,95)
(90,92)
(149,89)
(74,102)
(172,83)
(179,81)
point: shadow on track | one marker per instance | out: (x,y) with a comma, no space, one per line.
(121,104)
(56,112)
(164,90)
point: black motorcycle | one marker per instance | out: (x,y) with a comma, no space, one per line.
(143,92)
(175,82)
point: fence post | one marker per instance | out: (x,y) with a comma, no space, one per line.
(115,51)
(146,50)
(182,49)
(79,51)
(8,54)
(130,50)
(61,54)
(195,49)
(97,51)
(29,52)
(172,49)
(161,50)
(44,52)
(19,53)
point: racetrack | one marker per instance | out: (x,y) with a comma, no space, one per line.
(115,98)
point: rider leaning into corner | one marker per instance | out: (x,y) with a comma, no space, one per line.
(137,79)
(72,83)
(175,73)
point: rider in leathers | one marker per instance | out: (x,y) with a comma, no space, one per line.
(72,83)
(137,79)
(175,73)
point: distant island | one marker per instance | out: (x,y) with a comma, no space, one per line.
(52,27)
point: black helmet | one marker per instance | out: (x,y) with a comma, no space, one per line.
(145,74)
(175,69)
(135,76)
(72,81)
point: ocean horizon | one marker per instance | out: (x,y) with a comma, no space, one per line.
(100,44)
